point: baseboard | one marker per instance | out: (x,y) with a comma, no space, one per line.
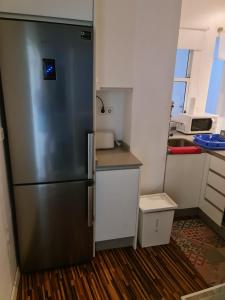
(187,212)
(15,285)
(112,244)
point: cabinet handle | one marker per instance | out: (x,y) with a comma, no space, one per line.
(90,155)
(90,206)
(157,225)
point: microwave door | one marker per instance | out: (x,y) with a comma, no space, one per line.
(201,125)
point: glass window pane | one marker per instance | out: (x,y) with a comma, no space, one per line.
(178,97)
(181,66)
(215,81)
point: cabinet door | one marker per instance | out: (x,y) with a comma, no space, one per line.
(6,282)
(183,179)
(116,203)
(7,248)
(71,9)
(115,22)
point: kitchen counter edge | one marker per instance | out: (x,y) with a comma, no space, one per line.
(116,159)
(218,153)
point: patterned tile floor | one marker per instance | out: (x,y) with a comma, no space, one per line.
(203,247)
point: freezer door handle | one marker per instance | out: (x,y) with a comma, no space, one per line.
(90,155)
(90,206)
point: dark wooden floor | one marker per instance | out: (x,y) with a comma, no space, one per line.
(161,272)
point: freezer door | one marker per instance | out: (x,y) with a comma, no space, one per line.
(47,82)
(54,224)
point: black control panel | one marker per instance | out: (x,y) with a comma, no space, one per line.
(85,35)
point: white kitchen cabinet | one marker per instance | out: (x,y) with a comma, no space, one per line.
(183,179)
(70,9)
(8,264)
(6,282)
(117,195)
(218,165)
(115,30)
(212,212)
(212,198)
(215,197)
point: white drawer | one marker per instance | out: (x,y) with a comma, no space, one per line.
(216,181)
(217,165)
(215,198)
(212,212)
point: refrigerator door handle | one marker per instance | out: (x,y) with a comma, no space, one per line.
(90,206)
(90,155)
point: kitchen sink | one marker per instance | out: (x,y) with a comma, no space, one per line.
(180,143)
(182,146)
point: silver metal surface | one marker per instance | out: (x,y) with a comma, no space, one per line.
(90,206)
(47,124)
(47,120)
(90,155)
(52,224)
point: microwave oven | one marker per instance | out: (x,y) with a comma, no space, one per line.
(193,124)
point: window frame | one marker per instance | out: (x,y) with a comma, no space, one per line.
(186,79)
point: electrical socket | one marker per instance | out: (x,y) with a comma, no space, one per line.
(108,110)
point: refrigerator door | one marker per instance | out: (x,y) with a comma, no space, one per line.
(54,224)
(47,79)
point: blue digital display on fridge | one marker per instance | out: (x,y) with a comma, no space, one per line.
(49,69)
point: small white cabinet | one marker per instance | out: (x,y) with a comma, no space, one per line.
(155,219)
(183,179)
(115,30)
(117,194)
(70,9)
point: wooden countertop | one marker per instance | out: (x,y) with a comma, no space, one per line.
(117,158)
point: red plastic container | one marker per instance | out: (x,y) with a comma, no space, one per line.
(185,150)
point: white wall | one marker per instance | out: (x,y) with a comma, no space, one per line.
(119,121)
(157,25)
(221,104)
(208,14)
(128,100)
(7,249)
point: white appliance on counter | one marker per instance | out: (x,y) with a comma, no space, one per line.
(104,139)
(194,123)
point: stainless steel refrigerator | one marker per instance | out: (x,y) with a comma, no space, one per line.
(47,104)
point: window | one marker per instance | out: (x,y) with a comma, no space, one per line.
(181,80)
(215,81)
